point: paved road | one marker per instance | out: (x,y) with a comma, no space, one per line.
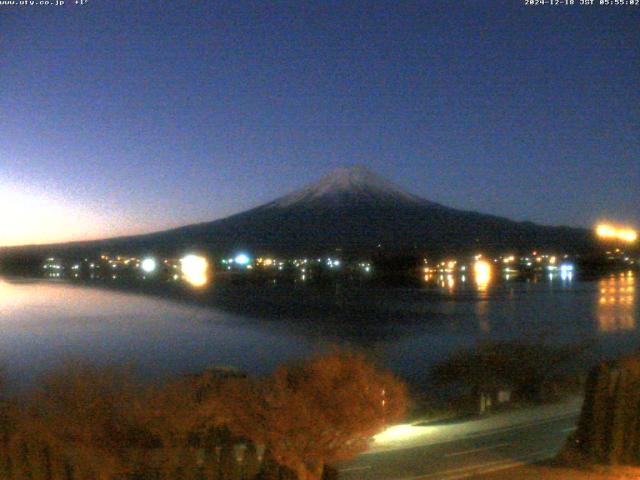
(466,449)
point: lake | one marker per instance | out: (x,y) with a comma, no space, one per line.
(45,322)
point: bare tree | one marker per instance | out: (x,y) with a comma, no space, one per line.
(79,424)
(321,411)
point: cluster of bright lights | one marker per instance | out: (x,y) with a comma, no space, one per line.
(195,268)
(245,260)
(242,260)
(609,232)
(53,267)
(365,266)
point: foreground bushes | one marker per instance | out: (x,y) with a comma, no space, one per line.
(85,423)
(608,430)
(532,371)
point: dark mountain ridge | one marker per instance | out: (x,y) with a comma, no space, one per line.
(351,210)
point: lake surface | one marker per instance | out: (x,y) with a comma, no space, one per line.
(44,322)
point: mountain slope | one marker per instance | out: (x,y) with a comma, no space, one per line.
(354,210)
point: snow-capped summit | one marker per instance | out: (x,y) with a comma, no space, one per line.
(348,184)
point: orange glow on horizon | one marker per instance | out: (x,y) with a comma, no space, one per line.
(35,218)
(610,232)
(30,216)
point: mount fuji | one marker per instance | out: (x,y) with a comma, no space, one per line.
(352,210)
(355,185)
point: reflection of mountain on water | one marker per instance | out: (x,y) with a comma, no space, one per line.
(353,314)
(333,313)
(172,328)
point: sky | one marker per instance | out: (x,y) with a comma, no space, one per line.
(122,117)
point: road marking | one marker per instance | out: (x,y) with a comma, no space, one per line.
(452,471)
(520,426)
(521,462)
(480,449)
(466,472)
(355,469)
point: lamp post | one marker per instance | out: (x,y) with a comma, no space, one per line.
(239,451)
(218,450)
(260,449)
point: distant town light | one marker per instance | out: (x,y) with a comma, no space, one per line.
(242,259)
(194,269)
(149,265)
(566,267)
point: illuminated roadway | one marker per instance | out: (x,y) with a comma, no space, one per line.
(467,449)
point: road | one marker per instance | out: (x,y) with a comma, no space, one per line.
(466,449)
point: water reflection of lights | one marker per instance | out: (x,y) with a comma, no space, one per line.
(615,309)
(451,282)
(482,271)
(482,274)
(195,270)
(566,272)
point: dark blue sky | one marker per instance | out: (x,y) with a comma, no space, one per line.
(129,116)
